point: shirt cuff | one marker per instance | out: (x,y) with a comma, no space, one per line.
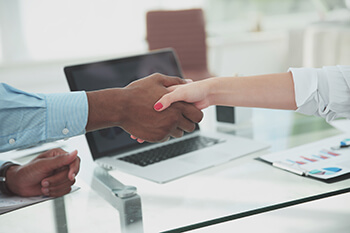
(67,115)
(305,88)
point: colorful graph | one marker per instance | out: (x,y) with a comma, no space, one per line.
(325,171)
(316,172)
(332,169)
(321,160)
(345,142)
(327,152)
(308,159)
(320,156)
(297,162)
(323,154)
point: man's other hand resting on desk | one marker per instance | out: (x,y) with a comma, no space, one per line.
(51,173)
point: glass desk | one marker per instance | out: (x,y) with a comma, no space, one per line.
(240,188)
(321,216)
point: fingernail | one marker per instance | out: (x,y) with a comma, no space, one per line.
(46,191)
(188,80)
(158,106)
(71,153)
(73,176)
(46,184)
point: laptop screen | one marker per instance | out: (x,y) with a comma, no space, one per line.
(118,73)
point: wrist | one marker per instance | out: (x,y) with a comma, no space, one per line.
(105,108)
(8,172)
(211,87)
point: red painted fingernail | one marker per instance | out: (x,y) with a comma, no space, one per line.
(158,106)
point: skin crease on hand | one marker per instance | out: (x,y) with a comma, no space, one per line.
(52,173)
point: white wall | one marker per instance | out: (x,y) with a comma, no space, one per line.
(249,53)
(44,36)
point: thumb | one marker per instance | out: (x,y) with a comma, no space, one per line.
(166,100)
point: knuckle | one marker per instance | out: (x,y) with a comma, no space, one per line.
(157,137)
(200,117)
(161,138)
(158,75)
(165,139)
(178,134)
(59,150)
(178,105)
(191,128)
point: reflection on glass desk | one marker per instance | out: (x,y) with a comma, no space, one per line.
(81,211)
(321,216)
(239,188)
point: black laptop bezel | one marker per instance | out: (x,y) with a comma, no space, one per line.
(68,70)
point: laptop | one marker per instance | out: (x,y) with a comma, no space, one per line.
(113,148)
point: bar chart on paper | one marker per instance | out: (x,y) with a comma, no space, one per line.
(325,159)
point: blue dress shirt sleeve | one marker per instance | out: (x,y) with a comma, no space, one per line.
(28,119)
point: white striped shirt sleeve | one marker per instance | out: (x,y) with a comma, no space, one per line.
(323,92)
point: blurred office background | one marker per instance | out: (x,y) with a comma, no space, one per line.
(244,37)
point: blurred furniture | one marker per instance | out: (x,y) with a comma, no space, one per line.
(327,44)
(184,31)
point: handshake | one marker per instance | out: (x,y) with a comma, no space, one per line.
(133,109)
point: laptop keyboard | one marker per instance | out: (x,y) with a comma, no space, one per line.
(169,151)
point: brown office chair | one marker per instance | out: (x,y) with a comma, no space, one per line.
(184,31)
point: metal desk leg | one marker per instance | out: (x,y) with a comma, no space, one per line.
(123,198)
(60,215)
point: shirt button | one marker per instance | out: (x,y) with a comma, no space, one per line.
(65,131)
(12,141)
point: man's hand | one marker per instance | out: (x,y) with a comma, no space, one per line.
(52,173)
(131,108)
